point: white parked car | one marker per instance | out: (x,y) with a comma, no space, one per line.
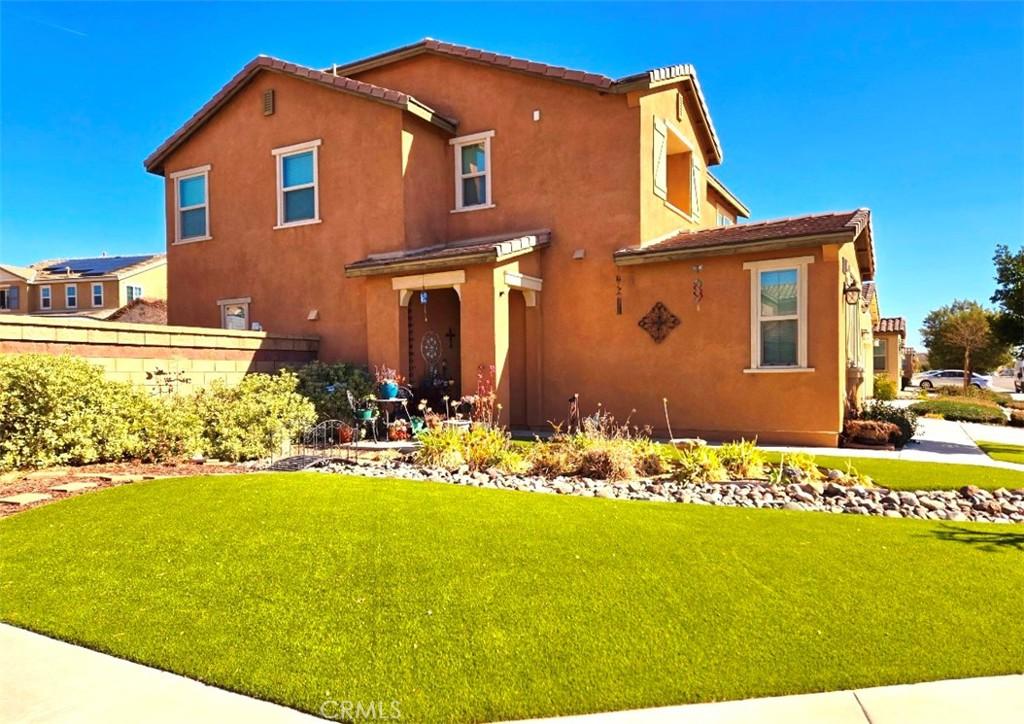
(952,378)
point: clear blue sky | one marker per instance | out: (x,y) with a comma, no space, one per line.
(914,110)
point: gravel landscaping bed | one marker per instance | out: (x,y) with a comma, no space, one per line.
(969,503)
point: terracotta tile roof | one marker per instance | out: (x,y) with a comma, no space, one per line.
(596,81)
(93,267)
(867,291)
(266,63)
(141,311)
(467,251)
(892,324)
(762,233)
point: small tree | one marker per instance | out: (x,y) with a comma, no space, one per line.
(970,330)
(947,328)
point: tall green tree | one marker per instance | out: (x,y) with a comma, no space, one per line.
(1008,324)
(960,336)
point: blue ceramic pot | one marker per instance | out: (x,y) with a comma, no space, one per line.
(388,390)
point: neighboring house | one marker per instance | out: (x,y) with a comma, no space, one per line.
(890,333)
(91,287)
(439,208)
(141,311)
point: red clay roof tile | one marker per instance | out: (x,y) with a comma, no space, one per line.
(892,324)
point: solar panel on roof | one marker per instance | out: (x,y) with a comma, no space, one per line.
(97,266)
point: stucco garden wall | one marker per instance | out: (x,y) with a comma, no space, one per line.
(151,355)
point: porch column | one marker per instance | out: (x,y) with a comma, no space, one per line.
(383,324)
(484,311)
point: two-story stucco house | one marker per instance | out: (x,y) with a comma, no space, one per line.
(85,287)
(439,208)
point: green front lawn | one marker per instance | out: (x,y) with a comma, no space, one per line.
(1003,451)
(466,604)
(911,475)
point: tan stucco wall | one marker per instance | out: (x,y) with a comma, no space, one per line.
(153,282)
(134,352)
(583,171)
(893,359)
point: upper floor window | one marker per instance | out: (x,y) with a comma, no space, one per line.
(676,165)
(778,313)
(133,292)
(8,298)
(71,296)
(298,199)
(191,201)
(722,219)
(45,297)
(97,294)
(473,171)
(881,351)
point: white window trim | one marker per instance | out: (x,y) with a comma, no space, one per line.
(471,140)
(755,268)
(664,127)
(45,300)
(177,177)
(279,155)
(67,296)
(92,294)
(882,344)
(128,292)
(241,301)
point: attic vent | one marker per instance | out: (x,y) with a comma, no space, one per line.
(268,102)
(680,107)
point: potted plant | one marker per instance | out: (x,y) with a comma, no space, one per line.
(398,431)
(344,434)
(388,381)
(365,412)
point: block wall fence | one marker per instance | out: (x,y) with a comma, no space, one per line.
(156,356)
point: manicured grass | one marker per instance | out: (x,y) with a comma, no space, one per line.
(912,475)
(466,604)
(962,410)
(1003,451)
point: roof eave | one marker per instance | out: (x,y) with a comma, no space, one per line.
(400,266)
(721,188)
(632,257)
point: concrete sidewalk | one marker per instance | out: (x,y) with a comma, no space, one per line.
(992,700)
(45,681)
(937,441)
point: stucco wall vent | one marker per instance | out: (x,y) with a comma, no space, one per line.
(268,102)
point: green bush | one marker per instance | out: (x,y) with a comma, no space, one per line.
(326,386)
(61,410)
(254,418)
(804,463)
(961,411)
(700,464)
(885,388)
(975,394)
(743,459)
(167,428)
(903,418)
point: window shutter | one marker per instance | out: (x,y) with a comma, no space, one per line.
(660,161)
(12,298)
(694,190)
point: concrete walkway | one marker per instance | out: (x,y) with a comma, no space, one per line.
(45,681)
(937,441)
(992,700)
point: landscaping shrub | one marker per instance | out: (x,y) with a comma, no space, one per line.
(1013,404)
(802,464)
(871,432)
(744,459)
(166,428)
(700,464)
(962,411)
(254,418)
(975,394)
(61,410)
(903,418)
(1016,418)
(885,388)
(479,448)
(600,449)
(327,385)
